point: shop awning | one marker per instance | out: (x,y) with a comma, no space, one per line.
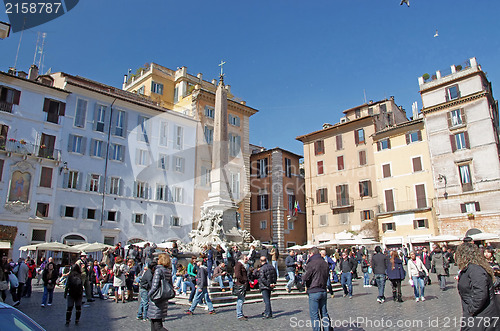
(5,245)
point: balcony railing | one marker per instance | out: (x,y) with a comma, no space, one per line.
(6,106)
(26,148)
(342,203)
(401,206)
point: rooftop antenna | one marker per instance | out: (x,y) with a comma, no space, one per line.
(36,47)
(41,50)
(364,93)
(19,45)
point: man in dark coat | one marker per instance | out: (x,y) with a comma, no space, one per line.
(201,289)
(346,268)
(316,278)
(291,264)
(267,281)
(379,266)
(240,286)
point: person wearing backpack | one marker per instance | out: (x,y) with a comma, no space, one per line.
(119,270)
(74,293)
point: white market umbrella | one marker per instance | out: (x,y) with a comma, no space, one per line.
(168,244)
(444,237)
(49,246)
(328,243)
(92,247)
(484,236)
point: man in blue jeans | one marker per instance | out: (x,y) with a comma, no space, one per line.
(346,267)
(379,266)
(315,278)
(291,264)
(144,287)
(201,289)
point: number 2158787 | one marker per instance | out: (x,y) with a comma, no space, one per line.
(32,8)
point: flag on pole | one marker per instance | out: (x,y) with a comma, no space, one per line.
(296,208)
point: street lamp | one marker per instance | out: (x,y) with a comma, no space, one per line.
(442,178)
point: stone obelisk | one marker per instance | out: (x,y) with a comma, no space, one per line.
(219,198)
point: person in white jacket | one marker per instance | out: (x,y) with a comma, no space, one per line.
(416,269)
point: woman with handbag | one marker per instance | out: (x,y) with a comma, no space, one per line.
(417,272)
(49,278)
(158,309)
(396,274)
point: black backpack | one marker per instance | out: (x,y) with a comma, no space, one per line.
(75,286)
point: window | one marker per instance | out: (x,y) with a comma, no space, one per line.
(91,214)
(156,88)
(417,163)
(234,144)
(209,134)
(47,143)
(178,194)
(162,192)
(421,198)
(263,225)
(114,186)
(343,218)
(158,220)
(80,113)
(340,162)
(38,235)
(69,211)
(73,179)
(420,224)
(77,144)
(140,189)
(120,123)
(366,215)
(179,164)
(54,109)
(290,225)
(175,221)
(320,167)
(456,117)
(414,136)
(338,141)
(288,168)
(179,137)
(163,161)
(342,192)
(163,133)
(205,176)
(470,207)
(209,112)
(262,170)
(94,183)
(42,209)
(4,130)
(370,111)
(112,216)
(387,227)
(389,201)
(383,108)
(263,201)
(117,152)
(323,220)
(1,168)
(452,93)
(141,89)
(142,157)
(46,177)
(383,144)
(465,178)
(143,129)
(362,158)
(459,141)
(235,185)
(386,170)
(97,148)
(359,136)
(319,147)
(8,97)
(234,120)
(365,188)
(138,218)
(357,113)
(322,195)
(100,118)
(291,201)
(109,241)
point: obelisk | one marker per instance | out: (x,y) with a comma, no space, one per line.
(219,198)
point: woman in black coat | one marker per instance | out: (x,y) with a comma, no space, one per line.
(396,274)
(475,285)
(158,309)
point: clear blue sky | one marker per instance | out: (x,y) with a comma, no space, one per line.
(299,62)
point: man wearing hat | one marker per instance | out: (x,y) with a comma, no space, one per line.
(82,263)
(201,288)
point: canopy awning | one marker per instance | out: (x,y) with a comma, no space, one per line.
(5,245)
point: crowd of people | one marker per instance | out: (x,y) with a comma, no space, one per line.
(122,273)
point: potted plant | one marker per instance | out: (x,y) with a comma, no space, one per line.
(426,76)
(22,142)
(458,67)
(470,216)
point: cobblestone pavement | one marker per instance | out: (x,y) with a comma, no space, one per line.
(441,311)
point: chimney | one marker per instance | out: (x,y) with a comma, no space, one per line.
(22,74)
(33,73)
(12,71)
(214,82)
(125,78)
(200,76)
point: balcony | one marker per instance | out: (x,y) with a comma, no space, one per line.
(340,204)
(25,148)
(6,106)
(405,206)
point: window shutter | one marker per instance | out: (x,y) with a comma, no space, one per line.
(326,194)
(338,192)
(389,201)
(448,117)
(360,189)
(114,117)
(76,212)
(96,112)
(17,97)
(137,156)
(426,222)
(266,168)
(258,168)
(362,157)
(46,105)
(84,213)
(238,145)
(339,142)
(371,214)
(97,214)
(84,145)
(419,135)
(466,136)
(79,181)
(421,199)
(124,131)
(389,143)
(340,162)
(417,164)
(477,206)
(320,167)
(63,210)
(65,180)
(71,138)
(447,97)
(105,215)
(356,137)
(407,138)
(259,205)
(369,183)
(117,216)
(384,227)
(89,176)
(394,226)
(266,201)
(122,153)
(107,119)
(378,146)
(415,224)
(92,146)
(101,184)
(62,108)
(462,208)
(463,116)
(386,169)
(453,143)
(121,187)
(362,215)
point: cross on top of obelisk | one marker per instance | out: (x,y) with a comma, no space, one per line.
(221,65)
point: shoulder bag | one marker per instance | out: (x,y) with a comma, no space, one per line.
(165,291)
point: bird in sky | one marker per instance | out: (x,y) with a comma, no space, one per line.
(405,1)
(436,34)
